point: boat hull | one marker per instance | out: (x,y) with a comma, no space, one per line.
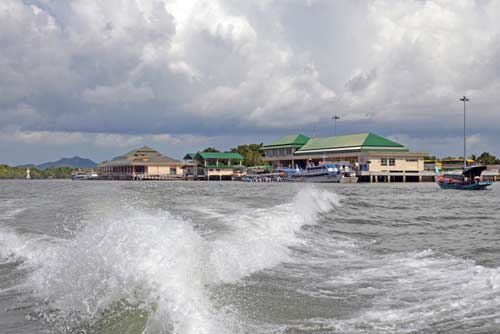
(349,179)
(79,178)
(318,178)
(471,186)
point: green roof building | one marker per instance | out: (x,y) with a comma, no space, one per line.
(189,156)
(213,165)
(296,141)
(360,142)
(369,153)
(285,146)
(221,156)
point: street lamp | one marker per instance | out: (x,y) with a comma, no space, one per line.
(464,99)
(335,118)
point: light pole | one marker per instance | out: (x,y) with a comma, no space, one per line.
(335,118)
(464,99)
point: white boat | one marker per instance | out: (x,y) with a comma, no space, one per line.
(324,173)
(348,174)
(348,179)
(79,176)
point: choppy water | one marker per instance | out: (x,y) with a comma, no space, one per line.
(196,258)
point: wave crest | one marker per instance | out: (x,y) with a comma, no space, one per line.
(159,263)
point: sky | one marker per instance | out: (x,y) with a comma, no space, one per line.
(98,78)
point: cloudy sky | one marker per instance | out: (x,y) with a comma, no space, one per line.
(96,78)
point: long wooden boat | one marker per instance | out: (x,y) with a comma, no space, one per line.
(468,179)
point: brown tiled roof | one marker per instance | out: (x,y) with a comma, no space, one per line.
(142,156)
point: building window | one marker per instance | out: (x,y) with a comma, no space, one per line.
(383,161)
(392,162)
(173,170)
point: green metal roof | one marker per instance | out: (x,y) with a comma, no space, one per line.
(219,155)
(374,140)
(293,140)
(189,156)
(362,140)
(224,166)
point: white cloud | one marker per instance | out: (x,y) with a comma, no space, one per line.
(184,140)
(118,94)
(42,137)
(195,68)
(449,145)
(117,140)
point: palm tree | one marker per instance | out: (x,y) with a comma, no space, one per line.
(487,159)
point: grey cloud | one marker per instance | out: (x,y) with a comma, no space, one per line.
(361,80)
(260,68)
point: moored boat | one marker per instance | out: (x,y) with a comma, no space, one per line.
(468,179)
(348,179)
(79,175)
(83,175)
(348,174)
(324,173)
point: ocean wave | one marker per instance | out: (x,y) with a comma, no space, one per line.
(157,264)
(414,292)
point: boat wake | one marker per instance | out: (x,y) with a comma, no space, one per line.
(423,292)
(264,271)
(152,272)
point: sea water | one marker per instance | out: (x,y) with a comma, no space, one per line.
(227,257)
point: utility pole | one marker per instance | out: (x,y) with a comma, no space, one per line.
(464,99)
(335,118)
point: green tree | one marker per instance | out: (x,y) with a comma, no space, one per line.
(211,149)
(251,154)
(487,159)
(8,172)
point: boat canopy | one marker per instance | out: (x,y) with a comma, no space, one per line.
(472,172)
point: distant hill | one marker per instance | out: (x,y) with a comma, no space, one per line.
(75,162)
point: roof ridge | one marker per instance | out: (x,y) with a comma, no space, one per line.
(379,140)
(344,135)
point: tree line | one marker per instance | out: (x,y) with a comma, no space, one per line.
(484,158)
(251,153)
(8,172)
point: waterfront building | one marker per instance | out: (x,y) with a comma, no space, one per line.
(213,166)
(492,173)
(431,164)
(449,164)
(143,163)
(375,158)
(190,169)
(280,153)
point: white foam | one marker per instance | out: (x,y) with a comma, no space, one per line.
(160,262)
(10,208)
(418,291)
(261,239)
(11,213)
(14,245)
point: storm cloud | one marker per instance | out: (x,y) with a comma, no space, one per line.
(98,77)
